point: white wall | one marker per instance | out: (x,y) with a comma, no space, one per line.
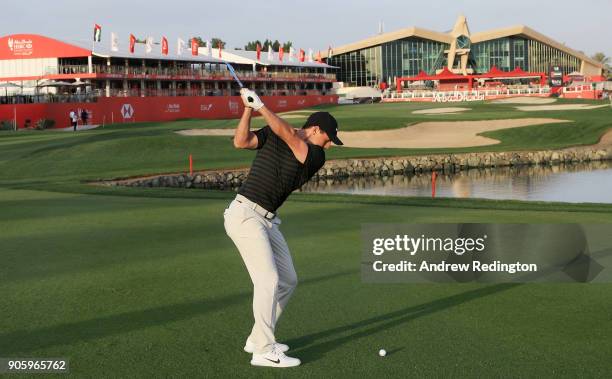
(28,67)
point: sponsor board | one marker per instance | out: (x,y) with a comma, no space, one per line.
(442,97)
(122,109)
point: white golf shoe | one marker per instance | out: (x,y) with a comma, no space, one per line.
(274,358)
(249,346)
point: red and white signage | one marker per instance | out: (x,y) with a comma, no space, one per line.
(26,46)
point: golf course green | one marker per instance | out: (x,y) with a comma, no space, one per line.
(144,282)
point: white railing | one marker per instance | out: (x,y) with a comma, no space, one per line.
(468,95)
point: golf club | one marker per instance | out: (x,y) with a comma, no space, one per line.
(233,73)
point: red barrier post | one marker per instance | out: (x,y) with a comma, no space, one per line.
(190,165)
(434,175)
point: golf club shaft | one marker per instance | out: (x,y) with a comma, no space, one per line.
(233,73)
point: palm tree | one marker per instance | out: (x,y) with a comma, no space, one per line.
(605,61)
(601,58)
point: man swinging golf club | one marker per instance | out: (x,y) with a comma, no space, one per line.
(286,159)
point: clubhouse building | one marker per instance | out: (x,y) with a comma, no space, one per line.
(411,52)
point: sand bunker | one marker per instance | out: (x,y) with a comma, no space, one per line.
(605,141)
(293,115)
(206,132)
(437,134)
(559,107)
(525,100)
(421,135)
(440,110)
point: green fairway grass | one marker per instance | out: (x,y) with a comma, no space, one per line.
(135,282)
(148,148)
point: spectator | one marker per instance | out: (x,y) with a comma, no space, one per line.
(74,119)
(84,116)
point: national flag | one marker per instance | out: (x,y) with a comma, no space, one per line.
(220,46)
(149,45)
(280,54)
(330,52)
(132,43)
(291,53)
(270,54)
(319,57)
(309,55)
(194,46)
(302,55)
(164,46)
(97,33)
(208,48)
(258,52)
(180,45)
(114,42)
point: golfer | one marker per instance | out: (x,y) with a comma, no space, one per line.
(286,159)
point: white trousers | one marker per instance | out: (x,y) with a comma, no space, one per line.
(267,258)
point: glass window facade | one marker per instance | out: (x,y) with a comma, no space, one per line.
(541,56)
(385,62)
(406,57)
(530,55)
(496,52)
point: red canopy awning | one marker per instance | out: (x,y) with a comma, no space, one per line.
(445,74)
(448,74)
(496,73)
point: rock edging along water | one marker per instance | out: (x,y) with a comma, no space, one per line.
(408,165)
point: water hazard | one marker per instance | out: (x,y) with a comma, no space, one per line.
(575,183)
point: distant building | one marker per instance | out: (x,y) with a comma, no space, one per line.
(409,51)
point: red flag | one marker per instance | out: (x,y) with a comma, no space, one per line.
(302,55)
(132,43)
(319,57)
(220,48)
(164,46)
(280,53)
(194,46)
(258,52)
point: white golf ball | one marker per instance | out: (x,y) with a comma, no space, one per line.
(382,352)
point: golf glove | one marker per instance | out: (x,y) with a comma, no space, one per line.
(250,99)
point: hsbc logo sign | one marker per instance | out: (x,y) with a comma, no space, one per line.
(127,111)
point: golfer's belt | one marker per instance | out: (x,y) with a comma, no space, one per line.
(256,207)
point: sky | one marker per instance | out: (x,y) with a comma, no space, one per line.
(316,24)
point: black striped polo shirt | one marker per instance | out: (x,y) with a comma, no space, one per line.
(276,172)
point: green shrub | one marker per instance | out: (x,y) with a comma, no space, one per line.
(43,124)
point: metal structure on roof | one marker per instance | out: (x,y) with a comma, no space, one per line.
(250,57)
